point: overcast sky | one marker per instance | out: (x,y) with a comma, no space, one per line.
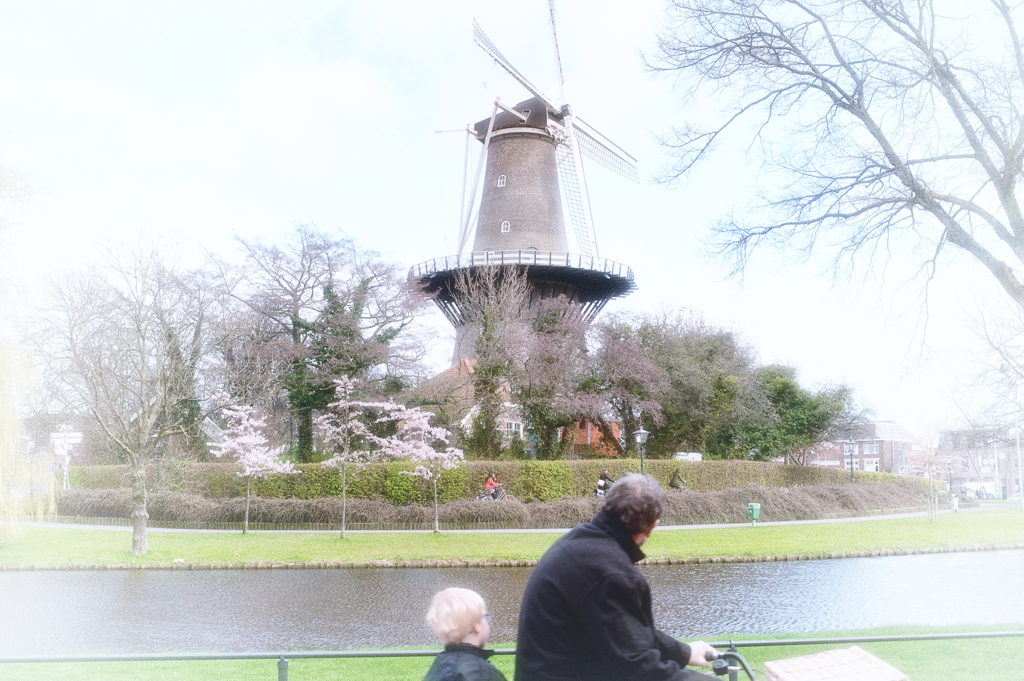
(197,121)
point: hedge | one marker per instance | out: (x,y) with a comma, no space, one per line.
(526,480)
(681,508)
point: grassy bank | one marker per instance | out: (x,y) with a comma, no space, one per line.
(59,546)
(949,660)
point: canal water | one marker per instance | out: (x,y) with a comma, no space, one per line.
(134,611)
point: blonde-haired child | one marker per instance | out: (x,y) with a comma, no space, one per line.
(460,619)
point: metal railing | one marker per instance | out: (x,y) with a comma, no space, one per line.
(283,657)
(527,257)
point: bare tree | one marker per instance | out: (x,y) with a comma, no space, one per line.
(495,305)
(122,343)
(1002,371)
(890,120)
(626,381)
(550,383)
(325,309)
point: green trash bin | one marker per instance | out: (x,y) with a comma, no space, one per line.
(753,512)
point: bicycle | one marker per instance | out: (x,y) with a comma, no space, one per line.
(500,496)
(729,662)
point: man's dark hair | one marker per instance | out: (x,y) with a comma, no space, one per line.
(637,500)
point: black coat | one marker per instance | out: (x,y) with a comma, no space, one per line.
(586,613)
(463,662)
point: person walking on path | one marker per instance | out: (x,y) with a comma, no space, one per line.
(586,612)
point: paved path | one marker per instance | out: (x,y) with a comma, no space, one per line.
(890,516)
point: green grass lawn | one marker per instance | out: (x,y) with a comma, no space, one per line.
(60,546)
(950,660)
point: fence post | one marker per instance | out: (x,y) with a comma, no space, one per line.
(282,669)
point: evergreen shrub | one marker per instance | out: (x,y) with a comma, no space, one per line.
(685,507)
(526,480)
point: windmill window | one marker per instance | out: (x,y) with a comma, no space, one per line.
(506,226)
(501,180)
(525,112)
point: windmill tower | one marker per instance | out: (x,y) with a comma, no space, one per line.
(532,154)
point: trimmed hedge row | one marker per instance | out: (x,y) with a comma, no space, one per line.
(681,507)
(526,480)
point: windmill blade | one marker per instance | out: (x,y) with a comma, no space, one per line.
(464,228)
(600,149)
(485,43)
(558,55)
(576,199)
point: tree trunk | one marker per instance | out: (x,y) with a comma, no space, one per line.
(608,437)
(437,528)
(344,488)
(304,417)
(245,527)
(139,514)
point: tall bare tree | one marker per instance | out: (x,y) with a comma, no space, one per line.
(890,120)
(1001,361)
(495,305)
(549,385)
(626,382)
(323,308)
(122,343)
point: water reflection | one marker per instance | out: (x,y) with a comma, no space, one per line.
(47,613)
(762,598)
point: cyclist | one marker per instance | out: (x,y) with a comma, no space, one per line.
(604,483)
(677,480)
(492,486)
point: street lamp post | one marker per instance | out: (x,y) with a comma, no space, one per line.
(853,450)
(641,438)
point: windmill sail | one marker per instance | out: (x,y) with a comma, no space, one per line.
(530,174)
(574,198)
(485,43)
(600,149)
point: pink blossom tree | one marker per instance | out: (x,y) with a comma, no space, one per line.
(422,444)
(244,440)
(344,428)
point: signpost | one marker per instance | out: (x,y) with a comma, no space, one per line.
(63,443)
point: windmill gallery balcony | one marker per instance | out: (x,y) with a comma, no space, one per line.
(590,281)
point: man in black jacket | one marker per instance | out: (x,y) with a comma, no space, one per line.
(586,612)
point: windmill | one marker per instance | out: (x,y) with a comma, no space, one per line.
(532,153)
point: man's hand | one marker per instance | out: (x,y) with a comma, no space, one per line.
(697,652)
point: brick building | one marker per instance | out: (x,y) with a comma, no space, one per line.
(986,455)
(879,446)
